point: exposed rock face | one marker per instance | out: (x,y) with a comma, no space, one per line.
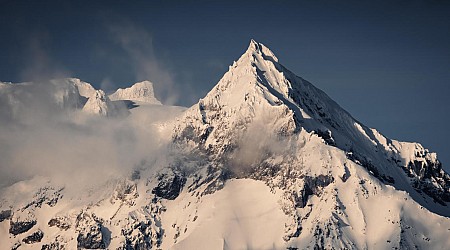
(431,179)
(16,246)
(89,230)
(5,215)
(326,136)
(53,246)
(91,240)
(34,237)
(143,229)
(45,195)
(170,185)
(138,237)
(313,186)
(18,227)
(62,223)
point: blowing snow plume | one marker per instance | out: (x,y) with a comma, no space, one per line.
(39,65)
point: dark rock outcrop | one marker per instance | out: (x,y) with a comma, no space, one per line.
(5,215)
(313,186)
(59,222)
(141,239)
(34,237)
(430,179)
(90,233)
(16,246)
(169,186)
(18,227)
(143,228)
(92,239)
(52,246)
(45,195)
(326,136)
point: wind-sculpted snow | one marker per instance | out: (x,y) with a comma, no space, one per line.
(264,161)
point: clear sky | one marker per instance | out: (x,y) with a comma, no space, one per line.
(386,62)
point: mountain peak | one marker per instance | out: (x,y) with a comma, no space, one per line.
(259,48)
(140,91)
(258,92)
(256,76)
(254,45)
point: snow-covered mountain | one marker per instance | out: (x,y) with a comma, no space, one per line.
(264,161)
(73,93)
(139,92)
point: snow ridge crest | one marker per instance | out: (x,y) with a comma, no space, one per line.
(259,48)
(141,92)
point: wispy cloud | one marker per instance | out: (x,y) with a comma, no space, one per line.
(138,45)
(39,137)
(39,65)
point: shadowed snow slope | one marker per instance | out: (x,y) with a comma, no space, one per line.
(264,161)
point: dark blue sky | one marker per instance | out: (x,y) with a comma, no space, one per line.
(386,62)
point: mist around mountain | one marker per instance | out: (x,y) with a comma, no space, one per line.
(264,161)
